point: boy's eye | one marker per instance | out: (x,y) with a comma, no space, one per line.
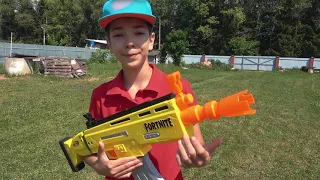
(140,33)
(117,35)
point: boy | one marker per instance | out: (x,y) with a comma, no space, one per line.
(128,25)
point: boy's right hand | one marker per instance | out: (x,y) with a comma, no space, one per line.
(119,168)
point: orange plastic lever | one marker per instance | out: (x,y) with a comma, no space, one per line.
(182,100)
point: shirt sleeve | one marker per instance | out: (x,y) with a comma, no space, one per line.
(94,107)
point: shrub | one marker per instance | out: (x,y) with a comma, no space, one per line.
(215,65)
(218,65)
(2,68)
(102,56)
(176,45)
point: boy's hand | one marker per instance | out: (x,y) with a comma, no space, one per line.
(192,154)
(119,168)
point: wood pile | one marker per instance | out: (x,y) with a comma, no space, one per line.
(63,67)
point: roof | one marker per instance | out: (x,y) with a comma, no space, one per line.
(98,41)
(16,55)
(154,53)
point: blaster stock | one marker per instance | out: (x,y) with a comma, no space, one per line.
(133,131)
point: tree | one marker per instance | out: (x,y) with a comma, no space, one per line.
(7,18)
(176,45)
(221,27)
(25,20)
(242,46)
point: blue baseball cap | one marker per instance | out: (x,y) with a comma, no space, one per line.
(114,9)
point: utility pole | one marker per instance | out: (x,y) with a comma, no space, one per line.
(44,32)
(159,46)
(11,45)
(44,35)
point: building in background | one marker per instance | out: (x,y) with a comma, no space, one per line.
(154,56)
(98,44)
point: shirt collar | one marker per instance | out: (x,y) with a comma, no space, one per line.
(157,81)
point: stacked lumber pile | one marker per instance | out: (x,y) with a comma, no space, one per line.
(63,67)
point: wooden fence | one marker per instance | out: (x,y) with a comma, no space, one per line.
(263,63)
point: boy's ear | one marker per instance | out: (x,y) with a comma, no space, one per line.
(151,41)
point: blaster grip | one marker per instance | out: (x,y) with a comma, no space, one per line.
(147,172)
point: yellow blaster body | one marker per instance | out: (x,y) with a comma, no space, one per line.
(166,119)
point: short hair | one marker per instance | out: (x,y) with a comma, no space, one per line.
(149,26)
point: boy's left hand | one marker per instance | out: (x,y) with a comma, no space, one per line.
(192,154)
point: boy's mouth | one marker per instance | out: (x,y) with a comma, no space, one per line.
(131,56)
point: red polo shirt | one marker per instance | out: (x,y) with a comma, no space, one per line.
(112,97)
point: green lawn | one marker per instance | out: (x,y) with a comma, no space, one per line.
(281,141)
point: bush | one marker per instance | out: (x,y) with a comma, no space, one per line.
(215,65)
(215,62)
(176,45)
(294,69)
(218,65)
(223,67)
(102,56)
(163,56)
(2,68)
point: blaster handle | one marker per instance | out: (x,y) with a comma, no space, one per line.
(147,172)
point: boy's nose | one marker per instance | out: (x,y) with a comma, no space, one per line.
(130,44)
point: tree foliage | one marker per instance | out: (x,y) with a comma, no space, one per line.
(220,27)
(176,45)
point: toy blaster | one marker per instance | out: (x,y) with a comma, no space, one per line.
(133,131)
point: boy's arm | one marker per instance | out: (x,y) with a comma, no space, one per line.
(120,168)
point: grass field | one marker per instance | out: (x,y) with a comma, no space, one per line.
(281,141)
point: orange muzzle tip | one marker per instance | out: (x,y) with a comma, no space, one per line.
(236,105)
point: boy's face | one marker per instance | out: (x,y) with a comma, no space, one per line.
(130,41)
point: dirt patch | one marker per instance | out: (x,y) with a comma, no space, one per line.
(24,77)
(2,77)
(93,79)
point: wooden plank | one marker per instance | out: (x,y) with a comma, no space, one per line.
(57,73)
(58,70)
(52,61)
(58,63)
(62,76)
(57,67)
(56,57)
